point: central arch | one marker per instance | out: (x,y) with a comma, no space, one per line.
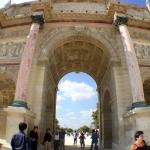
(76,50)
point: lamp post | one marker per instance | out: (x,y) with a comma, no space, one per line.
(148,4)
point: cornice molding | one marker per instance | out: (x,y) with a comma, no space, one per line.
(50,16)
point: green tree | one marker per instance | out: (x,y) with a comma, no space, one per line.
(84,129)
(69,130)
(95,116)
(57,124)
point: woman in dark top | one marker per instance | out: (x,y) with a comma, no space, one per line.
(139,143)
(47,139)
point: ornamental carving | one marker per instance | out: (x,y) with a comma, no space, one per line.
(142,51)
(17,33)
(11,49)
(140,35)
(7,90)
(9,70)
(106,33)
(19,10)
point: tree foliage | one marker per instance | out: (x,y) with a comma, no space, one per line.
(57,124)
(84,129)
(95,117)
(69,130)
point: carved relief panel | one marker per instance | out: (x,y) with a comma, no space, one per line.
(142,51)
(11,49)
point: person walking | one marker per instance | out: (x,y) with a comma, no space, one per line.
(20,140)
(56,141)
(47,140)
(75,136)
(139,143)
(34,138)
(62,139)
(82,142)
(94,138)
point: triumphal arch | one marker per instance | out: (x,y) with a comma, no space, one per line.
(42,41)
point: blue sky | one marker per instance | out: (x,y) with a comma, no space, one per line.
(76,100)
(77,96)
(134,2)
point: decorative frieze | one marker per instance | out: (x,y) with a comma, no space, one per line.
(142,51)
(19,10)
(11,49)
(82,8)
(139,35)
(16,33)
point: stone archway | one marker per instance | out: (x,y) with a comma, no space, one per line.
(68,51)
(146,86)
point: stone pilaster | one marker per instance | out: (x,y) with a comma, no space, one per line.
(120,21)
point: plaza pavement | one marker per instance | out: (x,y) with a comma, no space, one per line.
(69,140)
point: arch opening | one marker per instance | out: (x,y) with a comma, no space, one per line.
(73,54)
(76,100)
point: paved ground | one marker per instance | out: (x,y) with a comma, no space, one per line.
(76,148)
(69,141)
(70,146)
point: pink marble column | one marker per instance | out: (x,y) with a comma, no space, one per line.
(26,62)
(148,4)
(131,59)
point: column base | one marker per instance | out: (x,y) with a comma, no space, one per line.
(134,120)
(15,115)
(138,104)
(19,103)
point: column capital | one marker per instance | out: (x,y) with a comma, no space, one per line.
(38,17)
(120,19)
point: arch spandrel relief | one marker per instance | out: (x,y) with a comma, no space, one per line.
(98,37)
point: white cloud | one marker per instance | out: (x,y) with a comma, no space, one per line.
(76,119)
(4,2)
(58,107)
(59,97)
(86,113)
(71,114)
(21,1)
(75,91)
